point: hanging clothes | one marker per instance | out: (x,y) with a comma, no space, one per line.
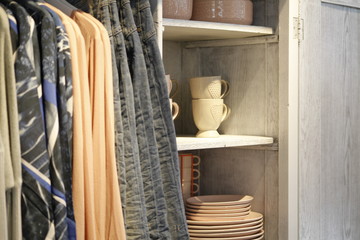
(82,179)
(93,125)
(165,130)
(10,159)
(131,182)
(64,106)
(36,189)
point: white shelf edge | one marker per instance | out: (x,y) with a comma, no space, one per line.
(192,143)
(201,30)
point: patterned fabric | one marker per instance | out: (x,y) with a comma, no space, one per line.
(46,28)
(36,189)
(9,123)
(65,109)
(165,131)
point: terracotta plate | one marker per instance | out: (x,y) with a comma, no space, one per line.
(207,215)
(228,234)
(224,227)
(218,211)
(257,226)
(252,217)
(219,200)
(252,236)
(217,207)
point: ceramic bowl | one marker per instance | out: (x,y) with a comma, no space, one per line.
(225,11)
(177,9)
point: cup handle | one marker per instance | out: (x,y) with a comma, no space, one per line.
(175,110)
(226,86)
(198,160)
(226,112)
(195,188)
(174,89)
(197,174)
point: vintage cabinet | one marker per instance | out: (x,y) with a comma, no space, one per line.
(294,77)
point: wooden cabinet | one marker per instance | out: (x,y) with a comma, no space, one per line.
(294,80)
(247,161)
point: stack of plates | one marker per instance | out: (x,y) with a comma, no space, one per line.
(223,217)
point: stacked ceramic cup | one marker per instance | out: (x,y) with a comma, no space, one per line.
(208,107)
(172,90)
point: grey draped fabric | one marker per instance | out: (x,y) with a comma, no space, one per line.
(36,190)
(10,161)
(150,121)
(164,126)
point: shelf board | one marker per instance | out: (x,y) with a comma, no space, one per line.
(193,143)
(189,30)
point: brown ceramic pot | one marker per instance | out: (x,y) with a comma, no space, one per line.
(226,11)
(178,9)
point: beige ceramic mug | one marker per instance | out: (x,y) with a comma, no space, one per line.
(208,115)
(174,108)
(212,87)
(172,86)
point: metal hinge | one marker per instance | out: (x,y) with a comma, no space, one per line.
(298,28)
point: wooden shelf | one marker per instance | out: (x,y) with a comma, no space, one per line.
(188,30)
(193,143)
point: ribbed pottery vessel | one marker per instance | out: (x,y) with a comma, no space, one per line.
(225,11)
(177,9)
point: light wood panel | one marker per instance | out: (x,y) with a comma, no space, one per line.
(348,3)
(340,178)
(234,171)
(271,201)
(310,122)
(288,121)
(172,58)
(224,141)
(266,13)
(244,68)
(190,30)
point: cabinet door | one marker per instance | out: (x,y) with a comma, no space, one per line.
(329,125)
(348,3)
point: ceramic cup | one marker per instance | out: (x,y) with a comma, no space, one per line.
(172,86)
(189,174)
(208,115)
(174,108)
(212,87)
(187,163)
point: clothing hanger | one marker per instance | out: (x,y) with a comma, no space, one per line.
(62,5)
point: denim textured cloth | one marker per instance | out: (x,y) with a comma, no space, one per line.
(65,110)
(165,131)
(149,155)
(36,189)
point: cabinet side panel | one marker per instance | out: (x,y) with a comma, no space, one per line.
(340,178)
(272,90)
(244,68)
(191,64)
(172,58)
(266,13)
(310,122)
(234,171)
(271,214)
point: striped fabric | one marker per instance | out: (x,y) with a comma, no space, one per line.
(37,211)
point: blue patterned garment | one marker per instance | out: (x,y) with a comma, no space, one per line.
(65,109)
(48,56)
(37,208)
